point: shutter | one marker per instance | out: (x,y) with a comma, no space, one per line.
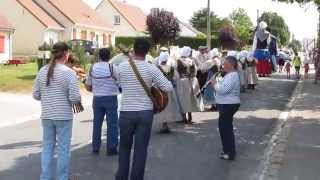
(2,45)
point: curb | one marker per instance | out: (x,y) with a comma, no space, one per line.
(274,153)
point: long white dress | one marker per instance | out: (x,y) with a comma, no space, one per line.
(188,86)
(171,113)
(252,78)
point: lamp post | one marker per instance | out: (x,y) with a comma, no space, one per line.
(209,26)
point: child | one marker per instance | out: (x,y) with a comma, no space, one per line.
(288,69)
(297,65)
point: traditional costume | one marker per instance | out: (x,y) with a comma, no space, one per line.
(171,113)
(187,84)
(251,74)
(242,69)
(201,58)
(261,43)
(213,66)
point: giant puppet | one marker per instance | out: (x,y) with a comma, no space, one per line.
(262,39)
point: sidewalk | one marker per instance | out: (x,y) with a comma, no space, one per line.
(301,159)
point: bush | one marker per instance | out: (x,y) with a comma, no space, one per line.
(193,42)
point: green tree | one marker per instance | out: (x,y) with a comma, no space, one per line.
(199,21)
(277,26)
(243,26)
(317,3)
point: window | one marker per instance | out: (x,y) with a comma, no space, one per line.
(116,20)
(2,44)
(92,36)
(74,34)
(104,39)
(83,35)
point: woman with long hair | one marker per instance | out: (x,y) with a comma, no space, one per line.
(57,87)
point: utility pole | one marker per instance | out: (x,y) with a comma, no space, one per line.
(209,26)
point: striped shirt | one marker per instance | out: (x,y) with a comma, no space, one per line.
(102,80)
(57,98)
(134,97)
(228,90)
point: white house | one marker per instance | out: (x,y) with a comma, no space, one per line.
(127,20)
(188,31)
(6,31)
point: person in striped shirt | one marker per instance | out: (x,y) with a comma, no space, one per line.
(102,83)
(228,103)
(136,111)
(57,87)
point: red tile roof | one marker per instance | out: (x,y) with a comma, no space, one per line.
(133,14)
(80,13)
(5,24)
(40,14)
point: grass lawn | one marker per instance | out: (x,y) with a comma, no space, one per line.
(17,79)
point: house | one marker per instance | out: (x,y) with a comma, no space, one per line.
(80,21)
(188,31)
(39,21)
(127,20)
(6,31)
(33,26)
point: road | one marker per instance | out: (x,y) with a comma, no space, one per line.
(190,153)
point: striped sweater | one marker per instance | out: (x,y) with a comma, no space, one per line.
(57,98)
(134,97)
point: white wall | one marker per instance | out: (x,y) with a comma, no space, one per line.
(107,12)
(51,36)
(185,31)
(7,47)
(97,32)
(29,33)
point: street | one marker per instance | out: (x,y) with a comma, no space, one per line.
(191,152)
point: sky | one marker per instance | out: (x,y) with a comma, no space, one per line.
(302,20)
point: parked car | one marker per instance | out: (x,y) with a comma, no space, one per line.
(88,46)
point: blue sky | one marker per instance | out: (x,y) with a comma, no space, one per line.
(302,20)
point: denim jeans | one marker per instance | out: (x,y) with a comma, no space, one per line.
(105,106)
(134,127)
(226,113)
(56,132)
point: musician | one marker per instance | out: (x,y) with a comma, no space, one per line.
(228,103)
(187,85)
(102,83)
(171,112)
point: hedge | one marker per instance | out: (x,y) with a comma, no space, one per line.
(193,42)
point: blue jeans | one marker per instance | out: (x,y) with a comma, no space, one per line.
(134,126)
(105,106)
(56,132)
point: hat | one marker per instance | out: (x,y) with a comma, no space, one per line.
(214,53)
(185,51)
(234,54)
(202,48)
(164,56)
(164,49)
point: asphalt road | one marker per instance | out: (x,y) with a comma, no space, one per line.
(190,153)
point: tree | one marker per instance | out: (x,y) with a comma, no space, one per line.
(317,3)
(162,25)
(199,21)
(277,26)
(243,26)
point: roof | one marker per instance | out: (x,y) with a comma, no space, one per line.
(80,13)
(191,28)
(40,14)
(133,14)
(5,24)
